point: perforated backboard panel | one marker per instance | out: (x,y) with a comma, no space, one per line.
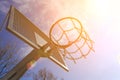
(20,26)
(24,29)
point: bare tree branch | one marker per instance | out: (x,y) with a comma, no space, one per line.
(43,74)
(7,58)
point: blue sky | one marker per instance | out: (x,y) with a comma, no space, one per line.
(100,19)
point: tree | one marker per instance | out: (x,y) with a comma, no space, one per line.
(8,58)
(44,74)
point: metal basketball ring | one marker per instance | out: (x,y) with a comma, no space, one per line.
(67,45)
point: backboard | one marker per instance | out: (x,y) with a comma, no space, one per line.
(20,26)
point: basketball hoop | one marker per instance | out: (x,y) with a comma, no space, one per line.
(71,40)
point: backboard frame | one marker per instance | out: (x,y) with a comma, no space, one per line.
(35,45)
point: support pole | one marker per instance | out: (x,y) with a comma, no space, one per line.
(17,72)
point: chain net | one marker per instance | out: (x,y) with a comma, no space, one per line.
(70,38)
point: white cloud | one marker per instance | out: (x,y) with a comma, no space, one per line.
(4,6)
(23,5)
(21,1)
(42,13)
(24,8)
